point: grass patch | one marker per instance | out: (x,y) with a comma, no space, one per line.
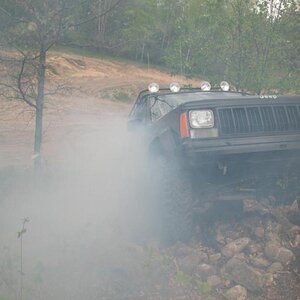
(203,287)
(52,70)
(119,94)
(183,278)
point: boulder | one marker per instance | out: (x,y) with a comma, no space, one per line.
(275,267)
(294,213)
(204,271)
(243,274)
(214,280)
(235,247)
(189,263)
(253,248)
(214,258)
(293,231)
(236,293)
(275,252)
(251,205)
(259,232)
(296,243)
(259,262)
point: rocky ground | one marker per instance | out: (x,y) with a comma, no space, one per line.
(250,250)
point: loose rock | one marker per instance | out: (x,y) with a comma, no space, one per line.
(259,262)
(204,271)
(275,267)
(259,232)
(296,243)
(251,205)
(245,275)
(253,248)
(236,293)
(293,231)
(181,249)
(214,258)
(269,279)
(188,264)
(235,247)
(274,252)
(214,280)
(294,213)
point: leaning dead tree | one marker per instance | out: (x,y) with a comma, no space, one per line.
(30,29)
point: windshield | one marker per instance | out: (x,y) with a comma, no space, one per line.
(162,104)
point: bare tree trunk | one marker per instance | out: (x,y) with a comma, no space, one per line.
(181,63)
(39,108)
(142,55)
(103,5)
(148,60)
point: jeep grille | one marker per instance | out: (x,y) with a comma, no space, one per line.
(259,119)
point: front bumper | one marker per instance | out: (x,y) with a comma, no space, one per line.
(254,149)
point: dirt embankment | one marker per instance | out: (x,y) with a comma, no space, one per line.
(86,91)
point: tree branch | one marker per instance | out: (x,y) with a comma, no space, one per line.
(5,11)
(19,85)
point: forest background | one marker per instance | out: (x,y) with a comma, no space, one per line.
(254,45)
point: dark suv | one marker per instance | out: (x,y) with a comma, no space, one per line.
(198,134)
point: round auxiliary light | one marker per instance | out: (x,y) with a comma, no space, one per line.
(225,86)
(175,87)
(205,86)
(153,87)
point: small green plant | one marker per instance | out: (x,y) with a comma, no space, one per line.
(121,95)
(20,236)
(52,69)
(203,287)
(183,278)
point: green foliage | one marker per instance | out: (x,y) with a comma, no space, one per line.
(183,278)
(203,287)
(118,94)
(240,41)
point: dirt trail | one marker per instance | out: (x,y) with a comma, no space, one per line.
(93,87)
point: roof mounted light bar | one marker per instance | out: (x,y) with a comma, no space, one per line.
(175,87)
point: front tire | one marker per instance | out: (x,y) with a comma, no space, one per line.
(175,202)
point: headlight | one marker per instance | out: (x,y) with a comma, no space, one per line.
(201,118)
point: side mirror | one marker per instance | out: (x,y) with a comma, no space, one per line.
(134,124)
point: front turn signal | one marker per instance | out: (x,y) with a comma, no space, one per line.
(184,126)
